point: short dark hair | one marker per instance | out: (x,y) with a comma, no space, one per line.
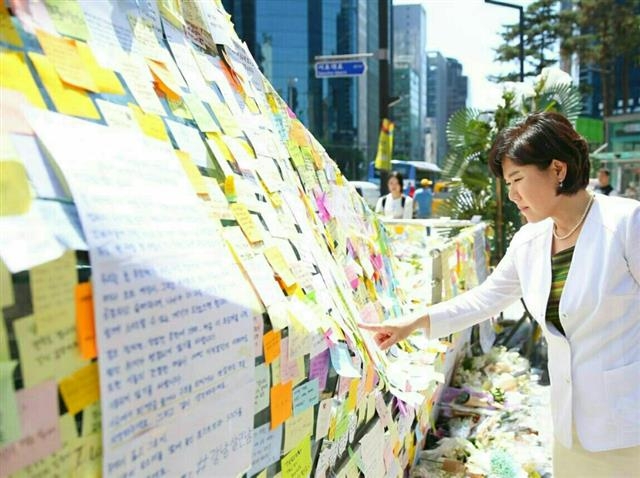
(398,176)
(539,139)
(605,171)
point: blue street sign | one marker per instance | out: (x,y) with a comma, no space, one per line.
(340,68)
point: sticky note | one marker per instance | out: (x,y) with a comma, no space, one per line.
(64,56)
(291,369)
(227,122)
(341,361)
(91,419)
(297,462)
(279,264)
(44,356)
(53,293)
(85,321)
(193,173)
(271,341)
(17,76)
(68,18)
(66,98)
(352,395)
(246,222)
(324,418)
(200,113)
(5,354)
(189,139)
(10,429)
(281,403)
(81,389)
(164,79)
(106,80)
(15,196)
(266,448)
(8,32)
(305,396)
(117,116)
(150,124)
(139,81)
(40,427)
(261,398)
(297,428)
(319,368)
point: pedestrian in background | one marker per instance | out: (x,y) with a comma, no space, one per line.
(576,263)
(395,205)
(604,186)
(423,199)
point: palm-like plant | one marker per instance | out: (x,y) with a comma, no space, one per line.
(470,134)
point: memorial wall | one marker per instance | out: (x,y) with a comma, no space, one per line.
(183,266)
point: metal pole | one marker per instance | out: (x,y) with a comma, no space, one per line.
(521,28)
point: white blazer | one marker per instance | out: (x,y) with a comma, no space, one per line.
(595,369)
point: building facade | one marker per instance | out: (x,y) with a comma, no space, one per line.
(285,37)
(409,53)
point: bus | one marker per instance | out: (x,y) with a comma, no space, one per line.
(412,172)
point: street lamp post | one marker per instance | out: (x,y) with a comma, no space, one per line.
(499,215)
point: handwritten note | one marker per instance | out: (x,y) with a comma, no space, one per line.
(319,368)
(281,404)
(297,428)
(53,293)
(85,321)
(325,410)
(40,428)
(92,419)
(81,389)
(168,327)
(9,413)
(246,222)
(138,79)
(261,276)
(49,355)
(189,140)
(291,369)
(297,462)
(149,123)
(261,399)
(341,361)
(279,264)
(271,342)
(305,396)
(117,116)
(266,448)
(68,18)
(200,113)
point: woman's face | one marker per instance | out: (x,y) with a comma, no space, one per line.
(394,186)
(533,190)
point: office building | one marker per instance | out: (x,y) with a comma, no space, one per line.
(285,37)
(410,80)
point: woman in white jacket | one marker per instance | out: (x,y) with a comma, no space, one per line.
(577,266)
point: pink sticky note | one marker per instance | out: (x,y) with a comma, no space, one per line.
(376,260)
(40,428)
(289,369)
(323,212)
(319,368)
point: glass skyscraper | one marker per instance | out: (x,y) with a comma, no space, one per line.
(285,37)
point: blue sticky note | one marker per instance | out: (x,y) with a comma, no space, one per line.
(341,361)
(305,396)
(266,447)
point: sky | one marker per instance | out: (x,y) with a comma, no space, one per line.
(469,31)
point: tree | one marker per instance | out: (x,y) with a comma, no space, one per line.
(542,29)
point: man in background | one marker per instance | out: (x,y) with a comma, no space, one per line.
(603,187)
(423,199)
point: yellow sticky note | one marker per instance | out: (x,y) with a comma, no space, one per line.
(68,18)
(106,80)
(230,188)
(53,286)
(227,122)
(81,388)
(271,345)
(8,32)
(17,76)
(297,462)
(179,109)
(279,264)
(64,56)
(297,428)
(150,124)
(15,196)
(92,419)
(193,173)
(66,98)
(200,113)
(246,222)
(353,395)
(44,356)
(276,199)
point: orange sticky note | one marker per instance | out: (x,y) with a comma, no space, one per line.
(67,98)
(246,222)
(85,321)
(81,388)
(164,80)
(150,124)
(368,383)
(281,404)
(271,343)
(64,56)
(17,76)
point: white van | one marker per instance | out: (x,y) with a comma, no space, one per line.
(369,191)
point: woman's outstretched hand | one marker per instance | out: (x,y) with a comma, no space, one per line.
(395,330)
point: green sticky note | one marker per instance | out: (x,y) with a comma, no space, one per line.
(9,414)
(68,18)
(4,340)
(297,462)
(203,118)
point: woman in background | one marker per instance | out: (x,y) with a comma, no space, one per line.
(577,266)
(395,205)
